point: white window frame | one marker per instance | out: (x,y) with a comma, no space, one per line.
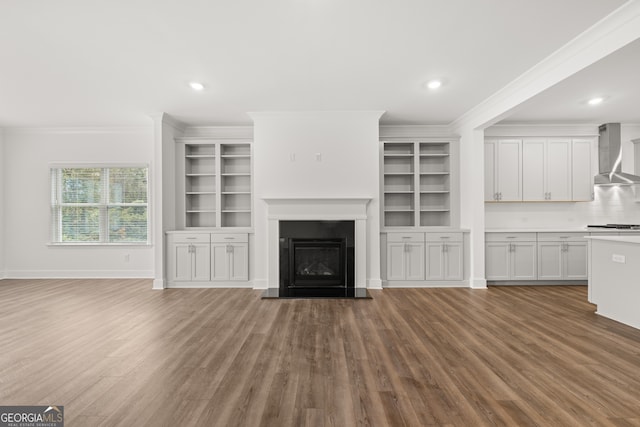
(103,205)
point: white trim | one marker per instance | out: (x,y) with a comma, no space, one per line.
(210,285)
(424,284)
(374,284)
(158,284)
(77,130)
(614,31)
(416,131)
(478,283)
(541,130)
(79,274)
(219,132)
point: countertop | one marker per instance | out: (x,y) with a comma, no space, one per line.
(559,230)
(621,239)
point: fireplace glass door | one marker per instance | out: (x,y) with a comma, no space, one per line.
(317,262)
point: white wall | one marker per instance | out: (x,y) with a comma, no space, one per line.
(612,204)
(286,164)
(28,154)
(2,172)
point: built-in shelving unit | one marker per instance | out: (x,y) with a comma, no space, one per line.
(416,184)
(217,183)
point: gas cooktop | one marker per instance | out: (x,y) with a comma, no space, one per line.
(617,226)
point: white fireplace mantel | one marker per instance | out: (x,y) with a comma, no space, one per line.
(317,209)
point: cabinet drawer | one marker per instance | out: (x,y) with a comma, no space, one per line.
(190,237)
(561,237)
(442,237)
(229,238)
(405,237)
(510,237)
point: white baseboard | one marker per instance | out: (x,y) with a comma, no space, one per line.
(79,274)
(158,284)
(374,284)
(478,283)
(209,285)
(261,284)
(423,284)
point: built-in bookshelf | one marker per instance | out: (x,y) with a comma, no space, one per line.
(416,184)
(217,184)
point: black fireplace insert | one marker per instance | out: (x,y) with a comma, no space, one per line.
(317,259)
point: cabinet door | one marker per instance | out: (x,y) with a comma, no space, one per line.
(219,262)
(435,268)
(180,262)
(523,261)
(558,169)
(239,261)
(533,170)
(395,261)
(550,260)
(576,260)
(453,268)
(509,170)
(497,260)
(201,264)
(490,178)
(414,258)
(581,173)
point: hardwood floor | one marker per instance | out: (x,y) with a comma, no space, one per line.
(116,353)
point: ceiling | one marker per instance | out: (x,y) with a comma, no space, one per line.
(112,63)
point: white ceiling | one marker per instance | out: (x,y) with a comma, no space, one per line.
(111,63)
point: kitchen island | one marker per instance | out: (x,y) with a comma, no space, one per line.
(614,277)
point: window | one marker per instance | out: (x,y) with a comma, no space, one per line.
(99,205)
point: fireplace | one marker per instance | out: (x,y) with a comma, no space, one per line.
(317,259)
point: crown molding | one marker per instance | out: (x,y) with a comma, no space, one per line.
(219,132)
(76,130)
(616,30)
(416,131)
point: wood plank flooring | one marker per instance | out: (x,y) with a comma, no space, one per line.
(116,353)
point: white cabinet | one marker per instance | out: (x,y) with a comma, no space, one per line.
(546,169)
(229,257)
(538,169)
(205,259)
(188,257)
(581,170)
(405,256)
(444,256)
(562,256)
(503,170)
(510,256)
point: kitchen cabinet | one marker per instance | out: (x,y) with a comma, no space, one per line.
(581,170)
(546,169)
(562,256)
(534,169)
(510,256)
(189,258)
(229,257)
(503,170)
(444,256)
(405,256)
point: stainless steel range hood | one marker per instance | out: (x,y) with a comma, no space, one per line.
(610,158)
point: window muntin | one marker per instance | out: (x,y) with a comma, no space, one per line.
(100,205)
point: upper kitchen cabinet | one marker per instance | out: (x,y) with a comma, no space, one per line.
(546,169)
(538,169)
(417,183)
(214,183)
(503,170)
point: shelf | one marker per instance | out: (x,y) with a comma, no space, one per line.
(416,184)
(217,184)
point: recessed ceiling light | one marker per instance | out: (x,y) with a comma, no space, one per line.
(196,86)
(595,101)
(434,84)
